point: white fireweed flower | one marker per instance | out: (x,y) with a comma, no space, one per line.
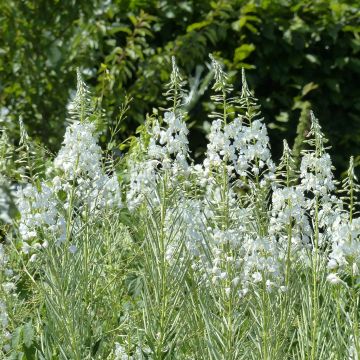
(317,180)
(39,212)
(82,182)
(262,256)
(219,145)
(289,208)
(239,256)
(142,186)
(242,148)
(237,248)
(99,192)
(345,244)
(316,174)
(200,176)
(120,353)
(192,219)
(170,143)
(167,151)
(222,260)
(80,154)
(248,260)
(333,279)
(256,276)
(191,225)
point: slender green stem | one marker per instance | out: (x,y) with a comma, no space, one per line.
(288,252)
(315,300)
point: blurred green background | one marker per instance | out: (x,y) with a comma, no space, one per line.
(298,55)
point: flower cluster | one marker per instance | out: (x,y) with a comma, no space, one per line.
(168,151)
(142,183)
(263,263)
(82,184)
(169,144)
(193,220)
(243,148)
(316,175)
(80,160)
(345,249)
(80,154)
(289,210)
(39,212)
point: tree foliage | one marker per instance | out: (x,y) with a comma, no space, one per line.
(299,54)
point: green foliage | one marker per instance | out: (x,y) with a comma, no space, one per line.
(298,52)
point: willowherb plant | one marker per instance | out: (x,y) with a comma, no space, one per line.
(167,147)
(230,258)
(59,220)
(80,186)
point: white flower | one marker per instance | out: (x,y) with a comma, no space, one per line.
(120,353)
(33,258)
(333,279)
(80,153)
(167,150)
(73,249)
(289,208)
(83,182)
(345,242)
(39,211)
(171,140)
(241,148)
(143,178)
(256,277)
(316,174)
(9,286)
(262,256)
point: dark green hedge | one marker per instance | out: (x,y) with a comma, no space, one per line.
(298,55)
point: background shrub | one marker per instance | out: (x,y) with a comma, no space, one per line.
(299,54)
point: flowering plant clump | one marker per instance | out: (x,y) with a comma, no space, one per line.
(154,256)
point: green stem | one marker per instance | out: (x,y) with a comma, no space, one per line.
(163,271)
(265,320)
(288,252)
(315,289)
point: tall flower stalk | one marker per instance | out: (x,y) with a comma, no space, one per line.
(316,180)
(351,190)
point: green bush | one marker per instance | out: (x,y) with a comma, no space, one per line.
(299,54)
